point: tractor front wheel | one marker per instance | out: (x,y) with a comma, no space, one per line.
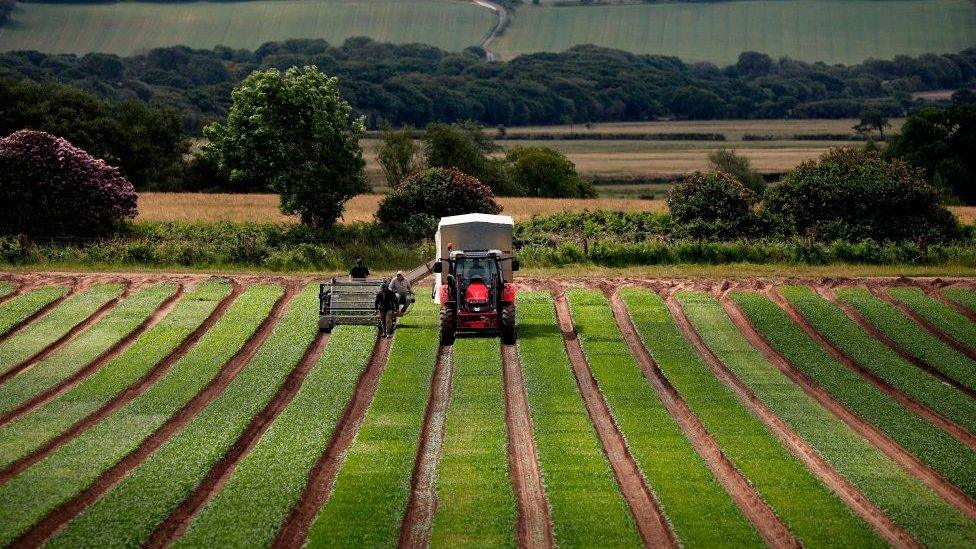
(448,326)
(507,325)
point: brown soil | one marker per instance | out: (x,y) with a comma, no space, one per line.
(419,515)
(323,474)
(957,432)
(127,395)
(64,513)
(926,325)
(872,434)
(18,289)
(175,525)
(534,522)
(650,520)
(934,291)
(24,286)
(772,530)
(887,528)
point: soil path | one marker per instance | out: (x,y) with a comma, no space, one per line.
(176,524)
(18,289)
(650,520)
(419,515)
(926,325)
(67,511)
(855,500)
(883,442)
(934,291)
(127,395)
(323,474)
(73,290)
(534,521)
(957,431)
(496,30)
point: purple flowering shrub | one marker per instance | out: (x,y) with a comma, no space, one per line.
(49,187)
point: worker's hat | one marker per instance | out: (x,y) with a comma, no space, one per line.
(399,273)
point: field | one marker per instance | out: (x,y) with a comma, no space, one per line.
(197,411)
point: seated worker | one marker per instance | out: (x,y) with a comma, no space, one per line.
(401,286)
(386,305)
(358,270)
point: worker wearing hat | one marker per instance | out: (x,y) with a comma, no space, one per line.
(401,286)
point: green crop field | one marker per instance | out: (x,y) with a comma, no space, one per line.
(203,412)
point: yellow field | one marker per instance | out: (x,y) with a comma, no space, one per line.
(733,129)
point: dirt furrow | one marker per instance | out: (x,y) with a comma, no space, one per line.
(417,519)
(957,431)
(64,513)
(73,291)
(19,289)
(874,332)
(650,520)
(534,521)
(945,489)
(926,325)
(70,335)
(127,395)
(933,291)
(173,527)
(107,356)
(323,474)
(855,500)
(772,530)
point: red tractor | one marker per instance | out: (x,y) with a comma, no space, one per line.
(475,296)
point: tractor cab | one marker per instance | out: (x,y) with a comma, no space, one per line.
(475,295)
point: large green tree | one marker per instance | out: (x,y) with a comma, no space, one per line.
(541,171)
(293,132)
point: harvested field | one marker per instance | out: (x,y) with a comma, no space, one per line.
(187,410)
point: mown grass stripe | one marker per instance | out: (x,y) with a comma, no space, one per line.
(20,308)
(950,458)
(587,507)
(373,487)
(61,475)
(877,358)
(476,502)
(905,333)
(904,498)
(26,434)
(964,297)
(34,338)
(696,505)
(76,354)
(945,318)
(811,511)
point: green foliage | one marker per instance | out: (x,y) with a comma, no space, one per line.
(964,297)
(398,156)
(541,171)
(468,148)
(712,205)
(739,167)
(293,133)
(850,194)
(872,118)
(953,323)
(20,308)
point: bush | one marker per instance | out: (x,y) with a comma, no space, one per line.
(711,205)
(49,187)
(414,208)
(541,171)
(738,166)
(854,195)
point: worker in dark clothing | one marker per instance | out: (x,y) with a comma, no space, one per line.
(386,306)
(358,270)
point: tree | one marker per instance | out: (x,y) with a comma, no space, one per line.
(739,167)
(541,171)
(466,147)
(711,205)
(398,155)
(49,187)
(964,96)
(293,132)
(872,118)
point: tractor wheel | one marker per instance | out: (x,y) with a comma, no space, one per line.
(507,325)
(325,324)
(448,326)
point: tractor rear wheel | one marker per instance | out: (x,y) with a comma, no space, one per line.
(448,326)
(507,325)
(325,324)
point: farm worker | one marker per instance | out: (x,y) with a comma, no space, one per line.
(386,305)
(359,270)
(401,286)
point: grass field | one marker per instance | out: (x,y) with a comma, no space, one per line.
(688,418)
(129,27)
(834,31)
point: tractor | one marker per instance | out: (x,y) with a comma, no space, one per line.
(476,297)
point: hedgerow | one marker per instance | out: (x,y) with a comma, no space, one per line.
(966,298)
(373,487)
(77,353)
(904,498)
(696,505)
(26,434)
(55,324)
(19,308)
(950,458)
(587,507)
(62,474)
(251,507)
(939,314)
(875,356)
(900,329)
(813,513)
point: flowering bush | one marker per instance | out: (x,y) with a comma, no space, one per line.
(49,187)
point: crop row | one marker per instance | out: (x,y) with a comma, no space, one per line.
(962,296)
(373,486)
(905,499)
(587,507)
(943,317)
(696,505)
(74,466)
(20,308)
(908,335)
(26,434)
